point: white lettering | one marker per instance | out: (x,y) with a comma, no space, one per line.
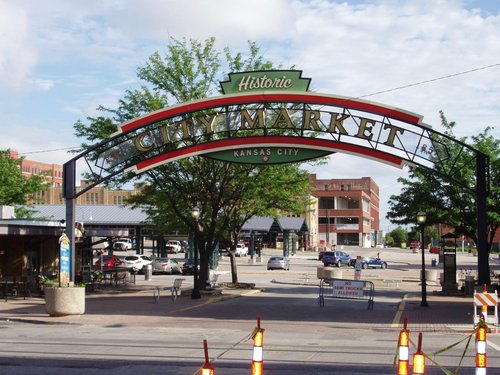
(249,82)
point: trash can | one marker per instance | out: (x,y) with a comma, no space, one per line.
(433,262)
(469,286)
(148,272)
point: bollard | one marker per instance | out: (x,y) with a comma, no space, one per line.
(403,349)
(207,368)
(257,359)
(419,358)
(481,348)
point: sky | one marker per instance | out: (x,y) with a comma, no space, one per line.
(60,60)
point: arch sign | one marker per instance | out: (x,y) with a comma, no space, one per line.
(271,117)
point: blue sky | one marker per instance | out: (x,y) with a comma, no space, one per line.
(60,60)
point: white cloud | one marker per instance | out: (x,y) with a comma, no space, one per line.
(17,53)
(84,54)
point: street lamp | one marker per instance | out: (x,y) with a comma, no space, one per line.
(421,219)
(196,216)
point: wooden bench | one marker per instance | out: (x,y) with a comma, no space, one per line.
(393,281)
(175,289)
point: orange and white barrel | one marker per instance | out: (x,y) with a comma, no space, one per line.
(419,358)
(404,350)
(481,349)
(258,350)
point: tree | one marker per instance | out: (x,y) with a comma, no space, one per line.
(16,189)
(398,236)
(226,194)
(451,201)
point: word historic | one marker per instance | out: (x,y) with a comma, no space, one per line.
(245,120)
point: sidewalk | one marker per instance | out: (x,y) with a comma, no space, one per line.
(134,305)
(129,305)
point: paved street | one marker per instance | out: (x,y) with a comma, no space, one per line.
(124,331)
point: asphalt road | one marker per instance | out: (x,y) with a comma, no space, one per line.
(344,337)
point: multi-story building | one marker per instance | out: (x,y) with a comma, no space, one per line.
(96,196)
(53,194)
(348,211)
(53,172)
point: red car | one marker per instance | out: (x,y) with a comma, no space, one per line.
(434,249)
(108,261)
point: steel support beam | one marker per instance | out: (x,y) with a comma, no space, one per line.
(69,190)
(483,266)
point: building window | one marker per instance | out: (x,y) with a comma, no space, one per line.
(326,203)
(342,188)
(366,205)
(325,187)
(348,187)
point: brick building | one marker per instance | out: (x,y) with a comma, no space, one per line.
(53,195)
(348,210)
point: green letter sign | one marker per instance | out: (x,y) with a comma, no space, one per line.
(270,80)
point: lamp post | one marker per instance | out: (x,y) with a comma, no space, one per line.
(421,219)
(196,216)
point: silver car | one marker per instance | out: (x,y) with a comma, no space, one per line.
(166,265)
(278,263)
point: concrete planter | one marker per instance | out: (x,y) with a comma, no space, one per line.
(332,273)
(320,273)
(64,301)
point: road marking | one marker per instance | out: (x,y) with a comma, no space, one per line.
(494,346)
(397,317)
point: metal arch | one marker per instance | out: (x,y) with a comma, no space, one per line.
(413,143)
(116,154)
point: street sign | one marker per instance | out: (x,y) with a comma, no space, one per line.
(347,288)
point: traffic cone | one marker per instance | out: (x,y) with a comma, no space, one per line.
(207,368)
(419,358)
(404,350)
(481,347)
(258,339)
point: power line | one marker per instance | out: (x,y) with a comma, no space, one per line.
(430,80)
(42,151)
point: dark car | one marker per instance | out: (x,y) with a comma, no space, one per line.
(370,263)
(109,261)
(188,267)
(336,258)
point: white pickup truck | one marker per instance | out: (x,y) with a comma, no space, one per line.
(177,247)
(241,250)
(123,244)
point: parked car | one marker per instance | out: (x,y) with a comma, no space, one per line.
(241,250)
(336,258)
(166,265)
(170,249)
(108,261)
(137,262)
(278,263)
(188,267)
(123,244)
(176,245)
(320,255)
(435,249)
(371,263)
